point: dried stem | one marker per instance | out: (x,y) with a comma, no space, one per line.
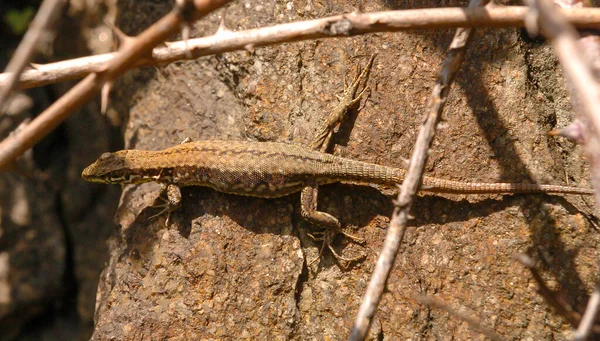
(131,50)
(335,26)
(579,60)
(583,87)
(412,182)
(473,323)
(555,300)
(589,316)
(33,39)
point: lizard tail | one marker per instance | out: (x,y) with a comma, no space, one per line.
(448,186)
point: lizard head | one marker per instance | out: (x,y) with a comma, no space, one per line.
(110,168)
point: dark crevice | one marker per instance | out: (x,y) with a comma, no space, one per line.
(303,278)
(71,287)
(64,306)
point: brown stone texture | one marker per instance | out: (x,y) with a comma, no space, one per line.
(53,226)
(231,267)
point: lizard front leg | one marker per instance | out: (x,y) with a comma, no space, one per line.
(173,195)
(172,202)
(332,226)
(347,100)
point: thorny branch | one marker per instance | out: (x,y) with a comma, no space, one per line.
(334,26)
(579,60)
(131,50)
(136,52)
(583,87)
(412,182)
(36,37)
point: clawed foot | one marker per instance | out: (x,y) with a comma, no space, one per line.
(326,237)
(171,203)
(350,97)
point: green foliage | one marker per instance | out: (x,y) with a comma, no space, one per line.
(18,20)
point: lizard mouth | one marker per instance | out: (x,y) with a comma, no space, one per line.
(90,174)
(108,169)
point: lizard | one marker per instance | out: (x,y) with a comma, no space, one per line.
(277,169)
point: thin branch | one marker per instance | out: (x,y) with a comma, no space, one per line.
(555,300)
(473,323)
(131,50)
(39,28)
(412,182)
(579,60)
(589,316)
(583,87)
(334,26)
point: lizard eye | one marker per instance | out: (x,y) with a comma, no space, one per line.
(106,157)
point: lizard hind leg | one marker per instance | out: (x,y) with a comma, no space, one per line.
(326,237)
(332,226)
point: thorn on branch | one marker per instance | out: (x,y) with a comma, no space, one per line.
(105,97)
(574,132)
(222,26)
(339,27)
(185,9)
(123,38)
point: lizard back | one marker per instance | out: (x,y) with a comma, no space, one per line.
(270,169)
(262,169)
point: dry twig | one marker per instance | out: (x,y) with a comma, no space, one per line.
(473,323)
(583,87)
(34,37)
(554,299)
(334,26)
(132,50)
(412,182)
(557,301)
(579,60)
(589,316)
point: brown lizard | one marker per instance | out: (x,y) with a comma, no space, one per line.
(272,169)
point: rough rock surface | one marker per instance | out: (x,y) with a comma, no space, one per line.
(230,267)
(236,267)
(53,226)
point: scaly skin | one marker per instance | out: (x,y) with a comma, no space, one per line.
(270,170)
